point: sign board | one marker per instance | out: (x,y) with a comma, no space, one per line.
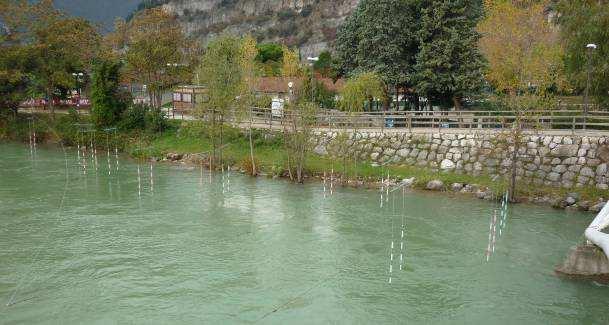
(277,107)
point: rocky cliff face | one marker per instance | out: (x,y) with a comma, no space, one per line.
(307,24)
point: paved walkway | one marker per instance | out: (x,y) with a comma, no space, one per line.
(276,125)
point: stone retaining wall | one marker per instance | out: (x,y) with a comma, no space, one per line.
(565,161)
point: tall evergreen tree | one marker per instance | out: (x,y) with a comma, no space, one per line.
(449,64)
(107,101)
(380,36)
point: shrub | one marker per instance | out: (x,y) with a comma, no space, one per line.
(108,101)
(156,121)
(247,165)
(134,118)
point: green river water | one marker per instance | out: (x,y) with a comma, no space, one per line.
(190,250)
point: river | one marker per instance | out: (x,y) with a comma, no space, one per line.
(93,249)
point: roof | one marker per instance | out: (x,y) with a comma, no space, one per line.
(280,84)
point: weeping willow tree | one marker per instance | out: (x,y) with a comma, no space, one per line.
(358,90)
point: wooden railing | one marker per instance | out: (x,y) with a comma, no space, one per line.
(533,120)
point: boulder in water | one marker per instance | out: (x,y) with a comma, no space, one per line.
(435,185)
(587,262)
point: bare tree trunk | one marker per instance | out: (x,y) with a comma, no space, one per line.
(457,103)
(222,140)
(516,137)
(254,172)
(212,135)
(50,102)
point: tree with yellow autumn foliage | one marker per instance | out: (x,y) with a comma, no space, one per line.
(522,46)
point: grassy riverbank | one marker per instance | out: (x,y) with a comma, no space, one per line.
(190,138)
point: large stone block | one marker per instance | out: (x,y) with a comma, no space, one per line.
(565,150)
(447,164)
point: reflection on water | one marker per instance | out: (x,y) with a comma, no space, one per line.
(176,246)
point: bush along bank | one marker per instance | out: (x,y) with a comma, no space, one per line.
(396,159)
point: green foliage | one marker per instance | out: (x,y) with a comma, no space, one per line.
(449,64)
(360,89)
(16,64)
(67,127)
(315,91)
(270,57)
(155,120)
(157,53)
(269,52)
(63,46)
(325,66)
(381,37)
(134,118)
(583,22)
(108,103)
(143,118)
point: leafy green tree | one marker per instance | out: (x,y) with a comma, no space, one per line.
(325,66)
(226,71)
(583,22)
(269,52)
(362,88)
(16,64)
(449,64)
(157,52)
(108,102)
(41,48)
(381,36)
(64,46)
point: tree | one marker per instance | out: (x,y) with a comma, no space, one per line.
(269,52)
(225,71)
(449,64)
(298,118)
(64,46)
(362,88)
(522,47)
(156,52)
(381,36)
(108,103)
(583,22)
(247,95)
(16,63)
(325,65)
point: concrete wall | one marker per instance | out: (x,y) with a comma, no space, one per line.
(567,161)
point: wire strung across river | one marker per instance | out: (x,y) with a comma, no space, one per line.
(11,301)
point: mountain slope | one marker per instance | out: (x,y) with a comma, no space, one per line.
(102,12)
(308,24)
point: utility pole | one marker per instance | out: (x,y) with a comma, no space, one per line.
(591,47)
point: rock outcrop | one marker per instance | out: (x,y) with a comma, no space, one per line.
(310,25)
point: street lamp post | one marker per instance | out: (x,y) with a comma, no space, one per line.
(591,47)
(78,77)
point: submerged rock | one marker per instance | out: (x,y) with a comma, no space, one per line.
(456,187)
(585,262)
(409,182)
(597,207)
(435,185)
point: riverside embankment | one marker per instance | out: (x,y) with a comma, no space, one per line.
(562,170)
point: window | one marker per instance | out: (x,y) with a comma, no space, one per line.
(186,98)
(177,97)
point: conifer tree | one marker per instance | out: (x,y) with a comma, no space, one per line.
(449,64)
